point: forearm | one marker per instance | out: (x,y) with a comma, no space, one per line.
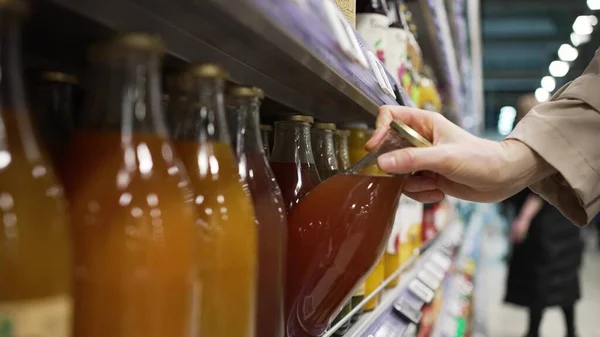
(531,208)
(523,165)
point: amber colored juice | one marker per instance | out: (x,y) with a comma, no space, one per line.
(335,236)
(133,227)
(272,239)
(227,243)
(295,181)
(34,234)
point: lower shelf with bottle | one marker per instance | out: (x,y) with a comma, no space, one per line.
(400,308)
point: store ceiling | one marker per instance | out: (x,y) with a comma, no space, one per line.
(520,39)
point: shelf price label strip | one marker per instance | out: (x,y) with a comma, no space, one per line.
(384,311)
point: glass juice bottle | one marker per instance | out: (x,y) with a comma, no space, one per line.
(243,119)
(266,134)
(55,111)
(321,140)
(336,235)
(292,159)
(341,149)
(131,215)
(35,245)
(359,135)
(228,240)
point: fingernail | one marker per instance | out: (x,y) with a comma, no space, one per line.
(386,162)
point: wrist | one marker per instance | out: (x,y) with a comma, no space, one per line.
(523,165)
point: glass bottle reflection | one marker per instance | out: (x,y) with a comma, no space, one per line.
(292,159)
(324,150)
(243,116)
(35,265)
(132,219)
(228,240)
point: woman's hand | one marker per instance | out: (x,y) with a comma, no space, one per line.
(459,164)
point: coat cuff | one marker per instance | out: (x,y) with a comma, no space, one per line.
(568,189)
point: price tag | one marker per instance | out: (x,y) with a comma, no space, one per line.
(373,62)
(331,12)
(421,291)
(387,85)
(441,260)
(408,310)
(358,54)
(411,330)
(435,270)
(429,280)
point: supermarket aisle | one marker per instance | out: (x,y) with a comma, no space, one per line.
(511,321)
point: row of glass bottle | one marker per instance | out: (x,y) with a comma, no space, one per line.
(127,265)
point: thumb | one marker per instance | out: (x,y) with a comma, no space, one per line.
(413,159)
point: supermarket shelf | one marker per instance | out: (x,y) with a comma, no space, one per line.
(384,316)
(253,47)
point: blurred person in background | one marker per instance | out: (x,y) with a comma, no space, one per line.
(546,254)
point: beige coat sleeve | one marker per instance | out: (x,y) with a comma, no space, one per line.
(566,132)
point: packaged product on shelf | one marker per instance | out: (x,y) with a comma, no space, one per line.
(372,24)
(395,60)
(374,280)
(227,239)
(324,150)
(134,227)
(35,244)
(55,111)
(266,135)
(357,296)
(355,212)
(292,159)
(348,7)
(400,248)
(428,229)
(243,116)
(429,96)
(341,149)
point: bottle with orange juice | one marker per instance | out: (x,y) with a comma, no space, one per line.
(227,242)
(35,243)
(133,224)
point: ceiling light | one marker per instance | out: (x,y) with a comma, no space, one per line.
(506,119)
(593,4)
(541,95)
(593,20)
(558,68)
(582,25)
(567,53)
(548,83)
(575,39)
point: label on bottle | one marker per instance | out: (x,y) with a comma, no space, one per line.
(36,317)
(348,8)
(395,54)
(373,28)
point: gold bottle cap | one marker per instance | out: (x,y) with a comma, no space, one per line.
(125,43)
(412,136)
(298,118)
(18,7)
(242,91)
(259,93)
(324,126)
(266,127)
(356,125)
(342,133)
(60,77)
(209,70)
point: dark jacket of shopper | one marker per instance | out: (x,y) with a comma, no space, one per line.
(544,268)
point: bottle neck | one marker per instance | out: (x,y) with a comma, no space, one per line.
(203,119)
(244,125)
(292,143)
(16,127)
(126,97)
(324,152)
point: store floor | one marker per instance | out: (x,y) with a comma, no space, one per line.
(510,321)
